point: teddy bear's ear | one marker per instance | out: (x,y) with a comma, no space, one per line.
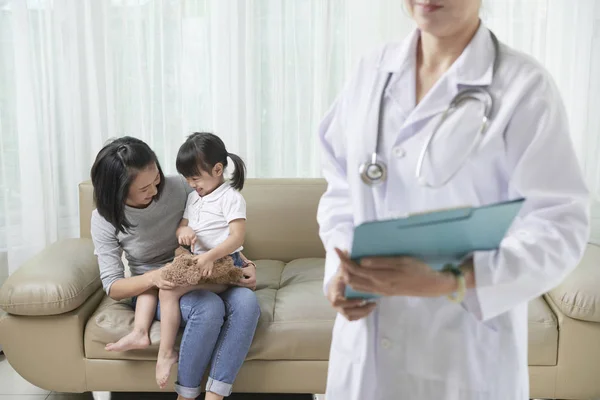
(181,251)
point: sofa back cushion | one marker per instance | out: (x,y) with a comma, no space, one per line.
(282,217)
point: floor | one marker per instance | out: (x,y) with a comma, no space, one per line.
(13,387)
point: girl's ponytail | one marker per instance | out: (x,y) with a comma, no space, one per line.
(239,175)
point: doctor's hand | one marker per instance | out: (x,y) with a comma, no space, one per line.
(352,310)
(397,276)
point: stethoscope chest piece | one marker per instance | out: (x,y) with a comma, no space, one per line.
(373,172)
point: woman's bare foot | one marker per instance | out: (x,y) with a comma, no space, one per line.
(136,340)
(163,367)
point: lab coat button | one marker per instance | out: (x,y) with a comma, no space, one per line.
(399,152)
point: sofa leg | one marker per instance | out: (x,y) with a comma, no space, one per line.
(101,395)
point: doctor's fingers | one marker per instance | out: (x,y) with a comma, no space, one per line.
(356,313)
(352,269)
(373,263)
(341,302)
(367,286)
(358,275)
(387,262)
(344,258)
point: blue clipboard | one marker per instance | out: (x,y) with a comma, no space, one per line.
(437,238)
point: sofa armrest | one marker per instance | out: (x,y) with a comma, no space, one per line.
(578,296)
(48,351)
(57,280)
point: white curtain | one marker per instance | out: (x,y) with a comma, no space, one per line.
(259,73)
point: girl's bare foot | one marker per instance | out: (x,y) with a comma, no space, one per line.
(163,367)
(136,340)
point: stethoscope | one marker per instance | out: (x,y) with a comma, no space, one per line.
(374,171)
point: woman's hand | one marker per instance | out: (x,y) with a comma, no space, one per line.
(157,280)
(249,278)
(186,236)
(352,310)
(398,276)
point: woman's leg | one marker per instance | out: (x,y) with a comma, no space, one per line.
(169,326)
(242,313)
(145,308)
(203,313)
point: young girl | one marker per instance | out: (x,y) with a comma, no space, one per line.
(213,225)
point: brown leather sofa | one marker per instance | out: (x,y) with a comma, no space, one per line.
(58,319)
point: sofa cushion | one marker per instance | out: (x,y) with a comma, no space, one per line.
(543,334)
(295,323)
(578,296)
(296,320)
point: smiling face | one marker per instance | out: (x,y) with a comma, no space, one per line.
(206,183)
(443,18)
(144,187)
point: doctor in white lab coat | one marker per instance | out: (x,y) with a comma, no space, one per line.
(414,343)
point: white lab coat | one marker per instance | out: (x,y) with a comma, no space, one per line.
(432,349)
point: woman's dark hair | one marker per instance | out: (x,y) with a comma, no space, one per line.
(202,151)
(116,166)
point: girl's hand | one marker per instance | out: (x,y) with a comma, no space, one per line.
(205,265)
(186,236)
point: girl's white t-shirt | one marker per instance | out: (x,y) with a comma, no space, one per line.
(209,216)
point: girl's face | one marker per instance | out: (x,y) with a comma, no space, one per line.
(442,18)
(144,187)
(206,183)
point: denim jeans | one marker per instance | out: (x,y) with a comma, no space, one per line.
(237,259)
(218,328)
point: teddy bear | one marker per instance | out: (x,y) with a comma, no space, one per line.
(182,271)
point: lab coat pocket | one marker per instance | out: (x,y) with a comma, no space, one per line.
(343,376)
(457,349)
(346,340)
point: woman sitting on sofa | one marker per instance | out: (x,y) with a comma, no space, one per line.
(138,212)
